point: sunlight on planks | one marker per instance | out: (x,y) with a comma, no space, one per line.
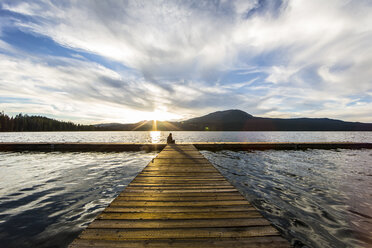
(180,200)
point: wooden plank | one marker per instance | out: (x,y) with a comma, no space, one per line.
(193,176)
(180,161)
(173,184)
(178,215)
(251,242)
(189,171)
(180,200)
(177,185)
(177,155)
(178,169)
(217,232)
(190,223)
(176,166)
(186,175)
(179,190)
(189,177)
(174,154)
(214,179)
(204,194)
(177,209)
(177,204)
(167,187)
(185,189)
(157,162)
(180,182)
(196,173)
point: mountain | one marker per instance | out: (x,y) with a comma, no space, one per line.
(233,115)
(237,120)
(221,120)
(228,120)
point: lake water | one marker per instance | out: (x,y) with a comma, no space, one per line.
(46,199)
(316,198)
(184,137)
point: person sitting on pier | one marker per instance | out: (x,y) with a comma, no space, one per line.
(170,140)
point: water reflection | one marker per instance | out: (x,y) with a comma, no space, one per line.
(155,136)
(47,202)
(186,137)
(317,198)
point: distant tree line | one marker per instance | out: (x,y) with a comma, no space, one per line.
(22,122)
(230,120)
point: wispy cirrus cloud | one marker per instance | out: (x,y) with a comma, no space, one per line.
(281,59)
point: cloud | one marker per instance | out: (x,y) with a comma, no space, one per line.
(299,58)
(73,88)
(148,36)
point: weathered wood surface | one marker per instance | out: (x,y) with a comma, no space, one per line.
(212,146)
(180,200)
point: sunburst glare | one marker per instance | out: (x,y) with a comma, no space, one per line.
(155,136)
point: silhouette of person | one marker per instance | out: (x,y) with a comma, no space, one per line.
(170,139)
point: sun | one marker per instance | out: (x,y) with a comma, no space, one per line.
(159,115)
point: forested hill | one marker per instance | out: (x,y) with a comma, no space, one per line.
(228,120)
(237,120)
(39,123)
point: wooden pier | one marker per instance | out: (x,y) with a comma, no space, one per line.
(180,200)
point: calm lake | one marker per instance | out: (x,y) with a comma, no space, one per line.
(185,137)
(316,198)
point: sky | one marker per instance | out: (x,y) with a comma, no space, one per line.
(93,61)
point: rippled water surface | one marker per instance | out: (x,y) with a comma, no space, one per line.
(46,199)
(318,198)
(181,136)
